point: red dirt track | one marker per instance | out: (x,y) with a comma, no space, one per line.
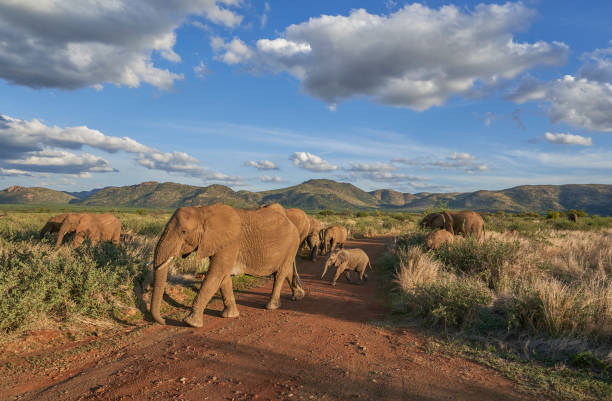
(323,347)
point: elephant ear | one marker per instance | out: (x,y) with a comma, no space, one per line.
(221,226)
(448,222)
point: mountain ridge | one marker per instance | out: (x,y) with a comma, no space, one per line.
(320,194)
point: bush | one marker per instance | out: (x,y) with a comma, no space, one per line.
(449,304)
(553,214)
(486,261)
(36,281)
(326,212)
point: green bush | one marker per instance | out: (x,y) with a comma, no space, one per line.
(553,214)
(36,281)
(486,260)
(451,304)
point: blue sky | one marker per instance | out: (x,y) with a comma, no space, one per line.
(432,96)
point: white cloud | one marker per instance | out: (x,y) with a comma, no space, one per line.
(264,17)
(71,44)
(416,57)
(235,51)
(583,101)
(31,146)
(311,162)
(370,167)
(201,70)
(461,156)
(456,160)
(585,159)
(267,178)
(568,139)
(11,172)
(261,165)
(387,176)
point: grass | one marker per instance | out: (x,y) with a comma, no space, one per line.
(521,295)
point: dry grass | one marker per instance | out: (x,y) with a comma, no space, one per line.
(415,269)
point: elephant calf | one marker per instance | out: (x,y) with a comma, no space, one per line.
(333,237)
(347,260)
(436,239)
(95,227)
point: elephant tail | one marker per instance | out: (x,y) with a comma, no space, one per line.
(296,276)
(370,265)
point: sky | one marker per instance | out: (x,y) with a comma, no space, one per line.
(433,96)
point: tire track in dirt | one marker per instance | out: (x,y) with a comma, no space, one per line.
(321,348)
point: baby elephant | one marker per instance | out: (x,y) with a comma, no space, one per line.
(347,260)
(436,239)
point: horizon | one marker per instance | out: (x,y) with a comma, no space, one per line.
(433,97)
(293,185)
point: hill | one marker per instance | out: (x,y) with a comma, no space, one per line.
(329,194)
(166,195)
(33,196)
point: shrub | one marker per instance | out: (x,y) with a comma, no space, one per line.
(35,281)
(553,214)
(415,268)
(449,304)
(486,261)
(326,212)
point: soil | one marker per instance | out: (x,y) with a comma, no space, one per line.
(327,346)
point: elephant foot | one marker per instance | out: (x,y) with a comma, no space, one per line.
(230,312)
(333,283)
(195,319)
(273,304)
(298,294)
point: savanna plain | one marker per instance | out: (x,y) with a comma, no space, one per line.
(526,312)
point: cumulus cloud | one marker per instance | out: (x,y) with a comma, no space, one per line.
(267,178)
(461,156)
(264,17)
(585,159)
(568,139)
(10,172)
(72,44)
(311,162)
(416,57)
(31,146)
(583,101)
(261,165)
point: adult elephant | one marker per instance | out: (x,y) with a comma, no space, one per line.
(573,217)
(313,239)
(96,227)
(256,242)
(332,237)
(466,222)
(53,225)
(297,216)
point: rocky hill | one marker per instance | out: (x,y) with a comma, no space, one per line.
(328,194)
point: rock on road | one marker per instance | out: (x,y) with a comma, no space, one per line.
(324,347)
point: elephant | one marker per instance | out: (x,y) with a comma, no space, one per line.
(255,242)
(53,225)
(573,217)
(347,260)
(301,222)
(437,238)
(332,237)
(96,227)
(296,216)
(466,222)
(313,238)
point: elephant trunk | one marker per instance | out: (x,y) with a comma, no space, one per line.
(313,252)
(325,269)
(60,236)
(165,250)
(159,284)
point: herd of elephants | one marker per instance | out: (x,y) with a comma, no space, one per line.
(261,242)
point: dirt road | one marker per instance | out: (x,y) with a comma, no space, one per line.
(324,347)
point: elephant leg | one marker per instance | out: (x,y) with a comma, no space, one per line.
(297,291)
(220,263)
(347,274)
(229,301)
(339,271)
(332,245)
(274,302)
